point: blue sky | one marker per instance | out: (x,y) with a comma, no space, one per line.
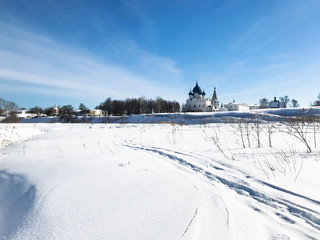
(68,52)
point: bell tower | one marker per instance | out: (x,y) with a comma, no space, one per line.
(215,100)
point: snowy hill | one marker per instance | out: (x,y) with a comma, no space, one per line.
(188,118)
(156,181)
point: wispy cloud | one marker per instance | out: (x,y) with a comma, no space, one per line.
(254,65)
(36,63)
(253,29)
(295,83)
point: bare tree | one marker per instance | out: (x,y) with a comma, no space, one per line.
(285,99)
(10,107)
(264,103)
(294,103)
(317,102)
(239,124)
(248,128)
(2,103)
(257,120)
(37,110)
(270,129)
(298,126)
(314,121)
(215,139)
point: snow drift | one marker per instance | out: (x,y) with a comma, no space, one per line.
(17,198)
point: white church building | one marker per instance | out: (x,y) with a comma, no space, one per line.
(198,102)
(277,104)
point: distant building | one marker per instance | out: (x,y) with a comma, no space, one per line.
(277,104)
(82,113)
(234,106)
(254,107)
(223,108)
(56,110)
(98,113)
(25,114)
(198,102)
(4,115)
(91,113)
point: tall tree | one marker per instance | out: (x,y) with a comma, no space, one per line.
(66,110)
(36,110)
(264,103)
(151,106)
(2,103)
(317,102)
(82,107)
(176,106)
(159,105)
(106,106)
(285,99)
(11,107)
(49,111)
(294,103)
(8,106)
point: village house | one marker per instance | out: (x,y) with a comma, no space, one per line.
(56,110)
(24,114)
(254,107)
(234,106)
(100,113)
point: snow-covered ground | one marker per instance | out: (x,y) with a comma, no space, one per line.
(155,181)
(186,118)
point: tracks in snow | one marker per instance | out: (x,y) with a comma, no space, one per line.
(215,172)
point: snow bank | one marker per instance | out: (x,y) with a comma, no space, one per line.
(12,133)
(16,200)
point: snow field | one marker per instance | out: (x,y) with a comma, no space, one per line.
(155,181)
(11,133)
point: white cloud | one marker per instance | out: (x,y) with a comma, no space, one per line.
(38,62)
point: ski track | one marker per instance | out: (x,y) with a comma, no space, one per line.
(191,221)
(243,188)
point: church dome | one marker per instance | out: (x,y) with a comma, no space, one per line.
(197,89)
(190,93)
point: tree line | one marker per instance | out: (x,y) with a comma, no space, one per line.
(128,106)
(140,105)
